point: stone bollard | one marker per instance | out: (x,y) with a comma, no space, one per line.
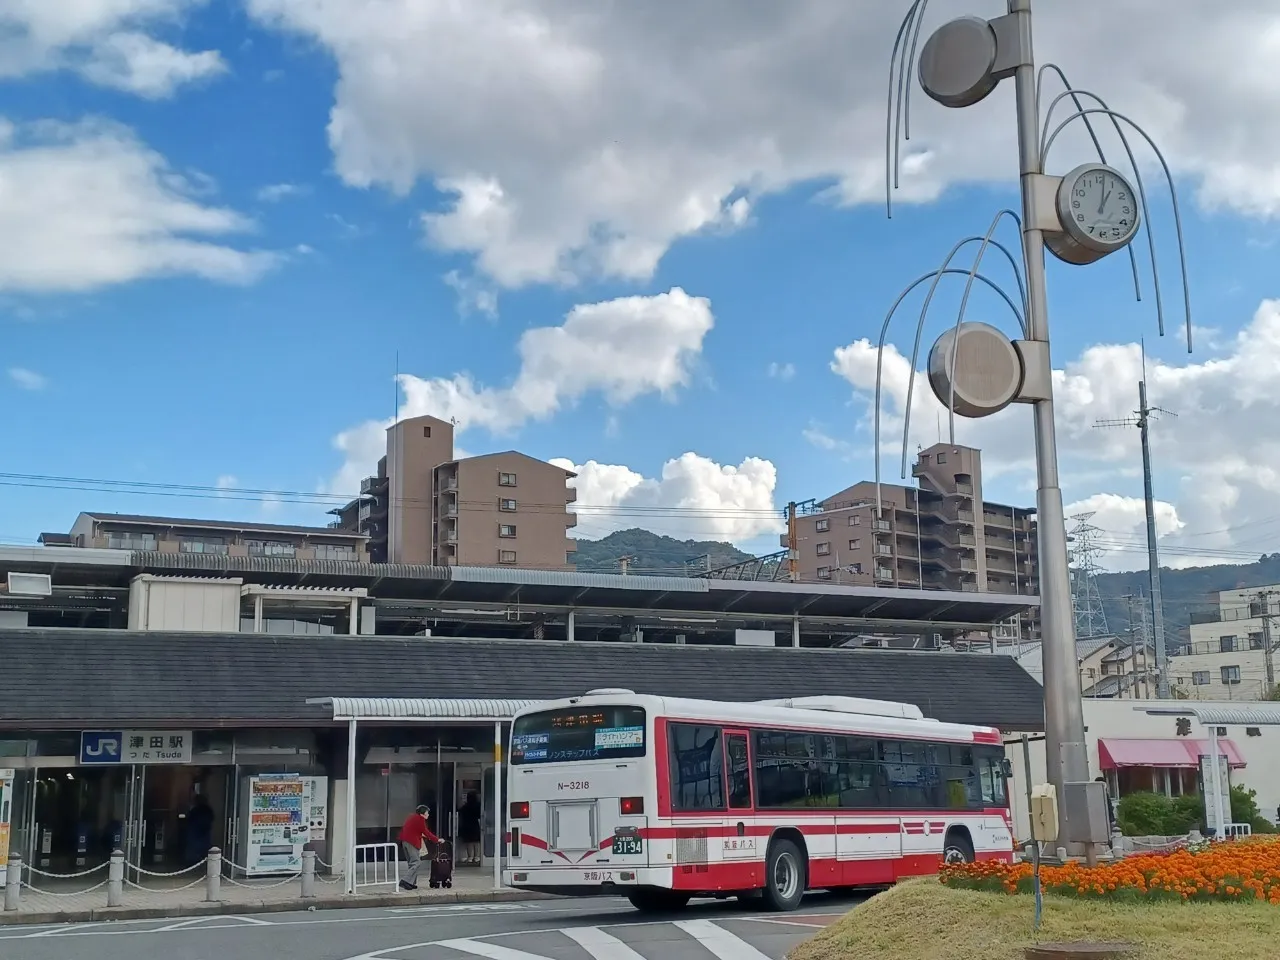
(13,883)
(308,873)
(115,879)
(213,875)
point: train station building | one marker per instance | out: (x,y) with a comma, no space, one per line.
(156,702)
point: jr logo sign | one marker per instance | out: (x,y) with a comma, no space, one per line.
(98,746)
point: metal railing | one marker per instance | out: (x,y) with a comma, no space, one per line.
(208,872)
(376,865)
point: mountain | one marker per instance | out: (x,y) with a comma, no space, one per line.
(654,555)
(1193,589)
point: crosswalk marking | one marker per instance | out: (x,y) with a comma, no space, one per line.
(492,951)
(601,945)
(721,942)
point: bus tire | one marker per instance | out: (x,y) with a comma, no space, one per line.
(784,876)
(658,901)
(957,848)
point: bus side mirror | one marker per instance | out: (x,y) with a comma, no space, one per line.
(1006,767)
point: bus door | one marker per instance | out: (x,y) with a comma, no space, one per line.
(742,845)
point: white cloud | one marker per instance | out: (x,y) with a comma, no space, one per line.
(275,192)
(474,295)
(27,379)
(105,41)
(782,371)
(1217,464)
(596,135)
(694,498)
(226,482)
(87,205)
(621,349)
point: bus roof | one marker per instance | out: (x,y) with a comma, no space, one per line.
(835,714)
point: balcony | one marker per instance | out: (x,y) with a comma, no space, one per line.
(449,485)
(449,510)
(570,520)
(571,495)
(880,526)
(884,573)
(883,550)
(965,489)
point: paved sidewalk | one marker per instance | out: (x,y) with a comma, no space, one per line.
(71,902)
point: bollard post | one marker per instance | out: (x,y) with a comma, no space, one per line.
(115,879)
(13,883)
(308,873)
(213,875)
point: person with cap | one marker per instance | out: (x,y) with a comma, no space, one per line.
(414,831)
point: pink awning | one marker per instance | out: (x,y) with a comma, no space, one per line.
(1172,752)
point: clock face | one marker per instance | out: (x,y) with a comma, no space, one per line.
(1103,207)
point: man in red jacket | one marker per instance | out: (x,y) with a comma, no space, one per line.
(414,831)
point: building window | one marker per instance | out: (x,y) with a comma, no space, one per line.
(855,520)
(824,548)
(426,431)
(942,458)
(506,529)
(822,526)
(824,573)
(271,548)
(507,506)
(1230,674)
(214,545)
(1255,641)
(1226,644)
(131,541)
(335,551)
(855,544)
(506,479)
(506,556)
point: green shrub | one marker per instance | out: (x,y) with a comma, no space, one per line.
(1143,814)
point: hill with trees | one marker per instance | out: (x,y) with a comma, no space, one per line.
(654,554)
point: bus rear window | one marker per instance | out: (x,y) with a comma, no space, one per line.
(590,733)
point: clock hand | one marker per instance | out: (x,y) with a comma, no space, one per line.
(1103,202)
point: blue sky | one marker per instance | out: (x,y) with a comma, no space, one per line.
(302,154)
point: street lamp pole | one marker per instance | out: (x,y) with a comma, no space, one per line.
(1063,710)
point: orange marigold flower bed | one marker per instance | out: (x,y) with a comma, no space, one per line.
(1235,870)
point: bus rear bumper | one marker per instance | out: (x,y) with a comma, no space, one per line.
(571,882)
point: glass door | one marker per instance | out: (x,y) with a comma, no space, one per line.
(136,826)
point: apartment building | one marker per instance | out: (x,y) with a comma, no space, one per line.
(121,531)
(1230,654)
(426,506)
(938,535)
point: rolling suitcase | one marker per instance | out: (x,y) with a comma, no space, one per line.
(442,866)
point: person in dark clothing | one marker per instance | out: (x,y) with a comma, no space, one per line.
(199,837)
(469,817)
(412,834)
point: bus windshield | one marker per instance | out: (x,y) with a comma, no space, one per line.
(589,733)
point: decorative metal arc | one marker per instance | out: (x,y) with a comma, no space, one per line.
(955,340)
(1173,191)
(884,331)
(1102,158)
(892,117)
(915,349)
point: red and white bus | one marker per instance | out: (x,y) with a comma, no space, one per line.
(661,799)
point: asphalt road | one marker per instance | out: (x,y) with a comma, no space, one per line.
(596,929)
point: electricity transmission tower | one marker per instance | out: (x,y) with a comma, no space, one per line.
(1142,419)
(1086,601)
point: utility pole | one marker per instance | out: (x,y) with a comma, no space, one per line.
(1268,648)
(1142,420)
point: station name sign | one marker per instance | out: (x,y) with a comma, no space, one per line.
(102,747)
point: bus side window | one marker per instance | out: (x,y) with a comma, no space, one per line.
(739,770)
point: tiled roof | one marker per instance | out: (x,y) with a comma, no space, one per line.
(102,678)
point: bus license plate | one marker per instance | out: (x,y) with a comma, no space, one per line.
(627,845)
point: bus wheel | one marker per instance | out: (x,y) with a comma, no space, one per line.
(784,876)
(658,901)
(957,848)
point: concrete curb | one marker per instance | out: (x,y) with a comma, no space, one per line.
(248,907)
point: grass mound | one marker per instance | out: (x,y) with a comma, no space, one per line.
(923,920)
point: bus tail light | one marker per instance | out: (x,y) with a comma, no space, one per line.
(520,810)
(632,806)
